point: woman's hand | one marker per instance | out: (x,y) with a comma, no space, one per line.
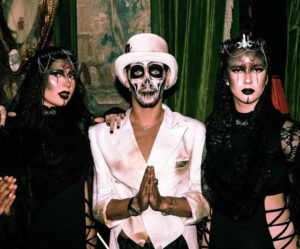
(113,120)
(7,194)
(4,114)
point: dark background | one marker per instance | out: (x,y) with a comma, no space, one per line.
(267,19)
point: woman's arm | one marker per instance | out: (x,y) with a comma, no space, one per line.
(290,141)
(90,227)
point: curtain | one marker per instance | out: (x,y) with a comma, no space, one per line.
(193,31)
(292,69)
(65,30)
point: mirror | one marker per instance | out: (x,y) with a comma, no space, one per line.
(26,25)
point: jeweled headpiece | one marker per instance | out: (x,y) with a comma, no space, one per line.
(244,43)
(44,60)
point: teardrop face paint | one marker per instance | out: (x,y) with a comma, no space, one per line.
(60,85)
(247,78)
(147,82)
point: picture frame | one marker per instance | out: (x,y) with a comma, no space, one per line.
(26,27)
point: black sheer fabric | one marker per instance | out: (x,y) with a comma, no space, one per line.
(52,168)
(237,177)
(57,153)
(236,194)
(290,140)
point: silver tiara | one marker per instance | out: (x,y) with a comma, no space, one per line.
(51,55)
(245,43)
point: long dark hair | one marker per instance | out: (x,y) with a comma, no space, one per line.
(29,100)
(235,181)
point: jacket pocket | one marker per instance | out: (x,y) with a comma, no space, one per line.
(181,164)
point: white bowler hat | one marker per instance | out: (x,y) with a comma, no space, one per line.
(146,47)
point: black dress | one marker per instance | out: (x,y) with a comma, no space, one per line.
(53,165)
(250,230)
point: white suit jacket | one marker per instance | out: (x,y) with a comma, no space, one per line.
(176,156)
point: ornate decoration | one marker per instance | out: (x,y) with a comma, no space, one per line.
(19,53)
(21,22)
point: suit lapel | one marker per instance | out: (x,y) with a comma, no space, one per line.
(167,140)
(128,165)
(131,165)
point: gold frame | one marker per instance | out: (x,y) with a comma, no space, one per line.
(46,13)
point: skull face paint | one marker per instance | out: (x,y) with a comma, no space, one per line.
(247,78)
(147,82)
(60,85)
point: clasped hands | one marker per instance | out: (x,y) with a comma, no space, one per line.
(149,194)
(7,194)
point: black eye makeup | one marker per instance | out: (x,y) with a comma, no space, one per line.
(56,72)
(61,73)
(72,75)
(137,71)
(258,69)
(236,69)
(156,70)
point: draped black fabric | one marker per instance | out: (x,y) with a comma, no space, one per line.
(57,153)
(51,165)
(240,176)
(13,228)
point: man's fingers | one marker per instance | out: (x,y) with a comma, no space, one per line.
(145,175)
(144,184)
(147,190)
(151,172)
(150,186)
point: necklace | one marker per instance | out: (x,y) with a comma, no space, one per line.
(146,128)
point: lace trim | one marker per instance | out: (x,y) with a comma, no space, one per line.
(285,226)
(206,230)
(90,229)
(290,137)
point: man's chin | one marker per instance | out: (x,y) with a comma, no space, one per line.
(145,104)
(148,103)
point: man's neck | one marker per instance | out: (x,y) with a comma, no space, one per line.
(146,117)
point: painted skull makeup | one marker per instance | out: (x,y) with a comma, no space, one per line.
(247,78)
(60,85)
(147,82)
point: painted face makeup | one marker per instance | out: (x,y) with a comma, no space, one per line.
(60,85)
(247,78)
(147,82)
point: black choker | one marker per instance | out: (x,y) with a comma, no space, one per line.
(49,111)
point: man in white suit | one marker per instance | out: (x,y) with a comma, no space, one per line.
(147,183)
